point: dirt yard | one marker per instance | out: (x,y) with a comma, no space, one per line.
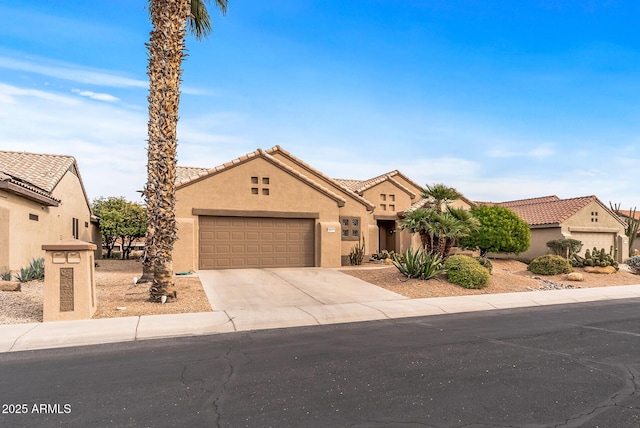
(508,276)
(117,296)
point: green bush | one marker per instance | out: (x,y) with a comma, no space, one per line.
(5,276)
(466,272)
(419,264)
(565,247)
(485,263)
(35,271)
(550,264)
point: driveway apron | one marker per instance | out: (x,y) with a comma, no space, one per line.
(286,287)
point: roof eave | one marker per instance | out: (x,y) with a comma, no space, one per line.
(28,194)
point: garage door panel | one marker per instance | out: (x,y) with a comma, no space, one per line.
(243,242)
(598,240)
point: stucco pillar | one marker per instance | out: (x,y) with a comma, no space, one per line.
(69,284)
(328,244)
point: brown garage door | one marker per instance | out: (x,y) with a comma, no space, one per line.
(246,242)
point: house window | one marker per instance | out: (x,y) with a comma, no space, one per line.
(86,224)
(265,192)
(254,190)
(392,198)
(254,180)
(33,217)
(383,206)
(265,180)
(383,197)
(392,207)
(75,228)
(350,228)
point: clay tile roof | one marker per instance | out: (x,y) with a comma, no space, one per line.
(549,209)
(360,186)
(627,213)
(186,173)
(529,201)
(32,170)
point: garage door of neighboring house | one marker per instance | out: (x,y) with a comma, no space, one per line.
(595,239)
(247,242)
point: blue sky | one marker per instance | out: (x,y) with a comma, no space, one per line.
(500,99)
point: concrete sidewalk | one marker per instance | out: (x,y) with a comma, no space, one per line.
(20,337)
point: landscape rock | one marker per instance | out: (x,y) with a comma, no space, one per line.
(575,276)
(600,269)
(9,286)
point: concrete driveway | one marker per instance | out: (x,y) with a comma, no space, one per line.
(255,289)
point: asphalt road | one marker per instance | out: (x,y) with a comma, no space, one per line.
(558,366)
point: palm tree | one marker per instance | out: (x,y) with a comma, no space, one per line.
(440,194)
(467,223)
(169,19)
(420,221)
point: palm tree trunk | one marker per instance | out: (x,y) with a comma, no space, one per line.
(166,51)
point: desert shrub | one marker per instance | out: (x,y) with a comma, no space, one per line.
(485,263)
(634,264)
(550,264)
(419,264)
(466,272)
(35,271)
(565,247)
(5,276)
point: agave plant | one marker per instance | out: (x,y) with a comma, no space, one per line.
(419,264)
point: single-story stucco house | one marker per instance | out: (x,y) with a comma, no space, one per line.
(269,208)
(42,200)
(584,218)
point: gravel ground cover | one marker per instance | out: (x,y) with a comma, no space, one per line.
(508,276)
(118,297)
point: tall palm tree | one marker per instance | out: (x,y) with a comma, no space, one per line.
(169,19)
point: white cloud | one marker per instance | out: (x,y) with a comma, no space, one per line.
(71,72)
(542,151)
(96,96)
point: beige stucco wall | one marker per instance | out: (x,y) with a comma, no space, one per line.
(24,237)
(352,208)
(539,239)
(409,185)
(584,222)
(230,189)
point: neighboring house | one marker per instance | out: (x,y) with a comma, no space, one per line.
(42,200)
(271,209)
(585,218)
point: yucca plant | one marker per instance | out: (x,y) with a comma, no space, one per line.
(5,276)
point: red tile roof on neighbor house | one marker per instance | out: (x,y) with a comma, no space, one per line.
(549,209)
(627,213)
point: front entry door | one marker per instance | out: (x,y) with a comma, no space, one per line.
(387,235)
